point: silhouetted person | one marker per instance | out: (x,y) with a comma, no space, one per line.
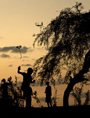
(48,94)
(4,87)
(27,79)
(28,98)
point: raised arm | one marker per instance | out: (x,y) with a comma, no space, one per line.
(19,71)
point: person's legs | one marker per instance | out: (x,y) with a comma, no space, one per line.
(48,104)
(51,103)
(28,98)
(28,102)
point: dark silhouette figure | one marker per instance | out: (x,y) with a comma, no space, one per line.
(48,94)
(28,97)
(27,90)
(4,87)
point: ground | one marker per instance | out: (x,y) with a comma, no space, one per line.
(56,112)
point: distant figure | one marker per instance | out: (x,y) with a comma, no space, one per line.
(27,90)
(48,94)
(4,87)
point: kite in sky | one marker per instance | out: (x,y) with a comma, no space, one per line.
(19,47)
(38,25)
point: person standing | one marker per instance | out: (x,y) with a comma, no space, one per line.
(27,90)
(48,94)
(4,87)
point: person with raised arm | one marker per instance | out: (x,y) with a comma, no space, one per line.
(27,90)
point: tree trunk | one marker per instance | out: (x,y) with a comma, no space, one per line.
(67,92)
(78,78)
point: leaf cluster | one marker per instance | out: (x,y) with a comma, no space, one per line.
(67,38)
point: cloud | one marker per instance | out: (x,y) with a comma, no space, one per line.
(25,56)
(23,50)
(26,65)
(10,65)
(13,49)
(33,59)
(4,56)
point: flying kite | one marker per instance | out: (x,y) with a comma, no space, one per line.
(39,25)
(19,47)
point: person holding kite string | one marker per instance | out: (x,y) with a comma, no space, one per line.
(27,79)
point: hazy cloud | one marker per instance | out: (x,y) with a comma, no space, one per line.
(4,56)
(25,57)
(33,59)
(13,49)
(10,65)
(6,49)
(26,65)
(23,50)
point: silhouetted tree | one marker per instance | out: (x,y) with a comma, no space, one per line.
(67,38)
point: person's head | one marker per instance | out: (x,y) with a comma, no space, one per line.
(47,83)
(30,70)
(3,80)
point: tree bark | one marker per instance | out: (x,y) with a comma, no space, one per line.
(67,92)
(78,78)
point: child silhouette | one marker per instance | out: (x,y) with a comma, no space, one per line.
(48,94)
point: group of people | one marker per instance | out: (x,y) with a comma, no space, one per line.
(27,90)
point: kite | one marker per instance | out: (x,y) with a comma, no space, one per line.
(39,25)
(19,47)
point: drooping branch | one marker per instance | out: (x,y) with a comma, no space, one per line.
(68,36)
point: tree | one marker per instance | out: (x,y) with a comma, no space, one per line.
(68,39)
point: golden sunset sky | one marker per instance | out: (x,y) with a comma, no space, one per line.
(17,26)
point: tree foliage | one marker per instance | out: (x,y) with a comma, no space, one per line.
(68,40)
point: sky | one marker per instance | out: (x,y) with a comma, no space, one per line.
(17,26)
